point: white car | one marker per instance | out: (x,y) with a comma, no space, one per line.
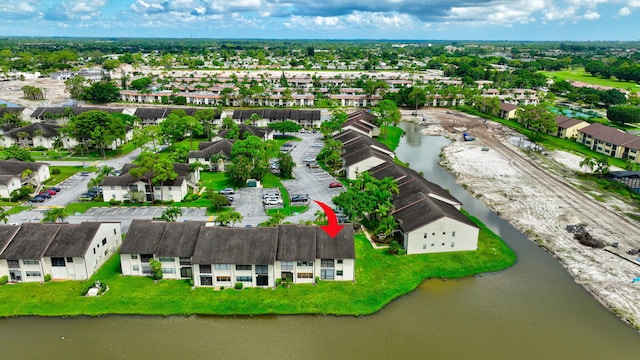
(317,145)
(308,160)
(272,201)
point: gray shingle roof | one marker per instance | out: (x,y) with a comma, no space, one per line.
(48,131)
(73,239)
(143,237)
(7,232)
(277,114)
(30,242)
(611,135)
(363,154)
(16,167)
(179,239)
(207,149)
(126,178)
(424,210)
(244,129)
(297,243)
(340,247)
(224,245)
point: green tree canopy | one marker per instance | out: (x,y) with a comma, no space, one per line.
(624,114)
(98,127)
(285,126)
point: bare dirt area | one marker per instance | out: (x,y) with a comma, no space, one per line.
(54,91)
(541,195)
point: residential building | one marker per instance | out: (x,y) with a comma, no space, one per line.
(568,127)
(13,172)
(30,251)
(214,155)
(610,141)
(126,187)
(216,256)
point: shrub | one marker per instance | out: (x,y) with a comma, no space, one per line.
(55,171)
(317,279)
(191,282)
(40,148)
(156,269)
(238,286)
(47,277)
(115,202)
(4,280)
(221,288)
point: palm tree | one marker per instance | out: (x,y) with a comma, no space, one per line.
(4,215)
(55,215)
(588,163)
(321,218)
(171,214)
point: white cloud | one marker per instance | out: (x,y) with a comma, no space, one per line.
(591,15)
(625,11)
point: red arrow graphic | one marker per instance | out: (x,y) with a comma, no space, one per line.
(332,229)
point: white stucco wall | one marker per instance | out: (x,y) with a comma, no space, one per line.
(443,235)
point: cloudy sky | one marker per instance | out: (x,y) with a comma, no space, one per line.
(326,19)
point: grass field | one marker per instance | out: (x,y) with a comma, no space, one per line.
(392,138)
(380,278)
(578,74)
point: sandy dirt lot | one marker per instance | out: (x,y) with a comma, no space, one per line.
(540,195)
(11,91)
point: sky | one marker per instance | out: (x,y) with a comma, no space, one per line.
(547,20)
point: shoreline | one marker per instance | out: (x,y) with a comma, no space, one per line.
(540,195)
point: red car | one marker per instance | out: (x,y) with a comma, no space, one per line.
(50,191)
(335,184)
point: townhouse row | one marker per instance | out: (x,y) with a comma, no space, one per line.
(215,256)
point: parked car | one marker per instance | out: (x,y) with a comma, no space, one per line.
(308,160)
(317,145)
(227,191)
(272,201)
(45,194)
(230,198)
(96,190)
(86,197)
(335,184)
(50,191)
(84,173)
(313,165)
(299,198)
(270,194)
(55,188)
(37,198)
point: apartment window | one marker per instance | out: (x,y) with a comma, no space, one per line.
(166,259)
(69,259)
(262,269)
(185,261)
(145,258)
(326,263)
(326,274)
(115,232)
(287,265)
(424,246)
(104,241)
(243,267)
(223,278)
(205,269)
(134,257)
(31,262)
(206,280)
(33,273)
(340,261)
(425,235)
(135,268)
(444,233)
(243,278)
(305,276)
(305,263)
(222,266)
(432,244)
(168,270)
(453,244)
(57,261)
(338,272)
(453,234)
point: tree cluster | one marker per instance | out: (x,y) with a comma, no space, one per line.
(624,114)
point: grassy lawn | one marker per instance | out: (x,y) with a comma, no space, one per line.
(215,180)
(578,74)
(392,138)
(65,173)
(375,286)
